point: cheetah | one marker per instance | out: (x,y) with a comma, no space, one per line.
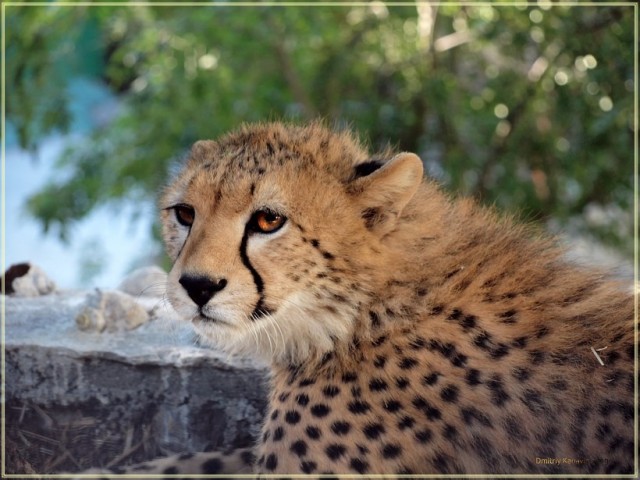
(407,332)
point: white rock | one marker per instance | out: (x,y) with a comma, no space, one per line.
(146,281)
(28,280)
(112,311)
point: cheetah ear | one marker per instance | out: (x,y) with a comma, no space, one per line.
(202,149)
(385,190)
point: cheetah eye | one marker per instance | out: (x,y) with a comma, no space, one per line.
(266,221)
(184,214)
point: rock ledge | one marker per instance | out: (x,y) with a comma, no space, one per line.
(79,399)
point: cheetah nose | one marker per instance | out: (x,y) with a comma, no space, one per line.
(201,288)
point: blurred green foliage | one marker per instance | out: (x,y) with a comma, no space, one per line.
(528,107)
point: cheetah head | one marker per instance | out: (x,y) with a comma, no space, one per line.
(278,236)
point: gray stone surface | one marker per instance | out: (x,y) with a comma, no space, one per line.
(79,399)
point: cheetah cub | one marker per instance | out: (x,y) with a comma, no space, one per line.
(406,332)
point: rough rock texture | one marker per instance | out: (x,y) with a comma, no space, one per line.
(79,399)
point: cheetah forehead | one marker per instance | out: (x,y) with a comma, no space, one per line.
(258,149)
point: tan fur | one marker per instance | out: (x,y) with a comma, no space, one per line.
(413,332)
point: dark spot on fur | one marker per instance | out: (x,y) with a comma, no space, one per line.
(349,377)
(334,451)
(212,466)
(603,431)
(431,379)
(402,383)
(391,450)
(292,417)
(615,443)
(377,385)
(536,357)
(373,430)
(449,393)
(498,395)
(406,422)
(441,462)
(455,314)
(308,467)
(521,374)
(299,447)
(449,432)
(500,351)
(508,317)
(358,407)
(482,340)
(611,358)
(375,319)
(471,414)
(330,391)
(429,410)
(469,322)
(514,430)
(519,342)
(485,450)
(328,255)
(270,149)
(407,363)
(320,410)
(284,396)
(359,465)
(271,462)
(423,436)
(630,350)
(542,332)
(278,433)
(418,343)
(371,217)
(248,458)
(473,377)
(313,432)
(379,341)
(459,360)
(379,361)
(392,405)
(340,427)
(550,435)
(558,384)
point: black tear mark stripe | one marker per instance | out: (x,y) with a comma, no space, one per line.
(183,243)
(260,309)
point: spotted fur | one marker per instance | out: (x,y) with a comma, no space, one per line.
(407,332)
